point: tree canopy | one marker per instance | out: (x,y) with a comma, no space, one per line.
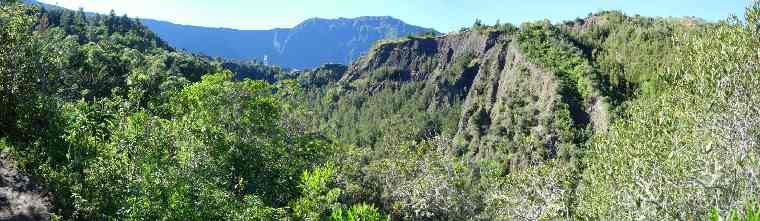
(610,117)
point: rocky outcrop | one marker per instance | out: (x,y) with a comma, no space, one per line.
(509,100)
(423,57)
(508,105)
(447,64)
(20,198)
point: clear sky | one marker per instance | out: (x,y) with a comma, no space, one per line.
(443,15)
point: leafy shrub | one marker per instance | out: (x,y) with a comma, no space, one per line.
(318,194)
(358,212)
(388,74)
(691,148)
(750,213)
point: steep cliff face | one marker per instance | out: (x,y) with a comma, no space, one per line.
(512,103)
(423,58)
(508,108)
(416,83)
(445,66)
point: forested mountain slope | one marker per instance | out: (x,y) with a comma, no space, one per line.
(504,122)
(609,117)
(77,92)
(477,87)
(307,45)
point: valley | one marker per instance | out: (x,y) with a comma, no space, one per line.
(609,116)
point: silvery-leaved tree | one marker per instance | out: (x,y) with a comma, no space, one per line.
(693,147)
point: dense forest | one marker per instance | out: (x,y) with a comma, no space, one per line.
(607,117)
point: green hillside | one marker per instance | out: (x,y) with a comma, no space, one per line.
(607,117)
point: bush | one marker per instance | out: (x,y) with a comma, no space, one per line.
(318,194)
(389,74)
(750,213)
(358,212)
(691,148)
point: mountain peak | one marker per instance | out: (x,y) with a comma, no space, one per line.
(313,42)
(309,44)
(362,20)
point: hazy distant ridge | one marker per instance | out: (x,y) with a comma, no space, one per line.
(307,45)
(313,42)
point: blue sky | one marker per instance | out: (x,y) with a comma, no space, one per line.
(443,15)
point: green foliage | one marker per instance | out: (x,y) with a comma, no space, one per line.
(423,181)
(690,149)
(544,44)
(539,192)
(388,74)
(548,46)
(318,196)
(23,74)
(423,35)
(366,111)
(121,132)
(257,71)
(535,113)
(118,125)
(408,38)
(463,66)
(750,213)
(630,52)
(358,212)
(200,165)
(322,76)
(498,28)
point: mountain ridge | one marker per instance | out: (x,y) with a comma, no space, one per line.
(311,43)
(607,117)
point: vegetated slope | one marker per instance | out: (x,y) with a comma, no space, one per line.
(541,86)
(445,118)
(83,97)
(517,107)
(609,117)
(490,92)
(415,83)
(684,148)
(309,44)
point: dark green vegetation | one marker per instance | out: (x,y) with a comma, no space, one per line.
(119,125)
(609,117)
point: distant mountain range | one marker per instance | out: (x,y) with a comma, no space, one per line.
(314,42)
